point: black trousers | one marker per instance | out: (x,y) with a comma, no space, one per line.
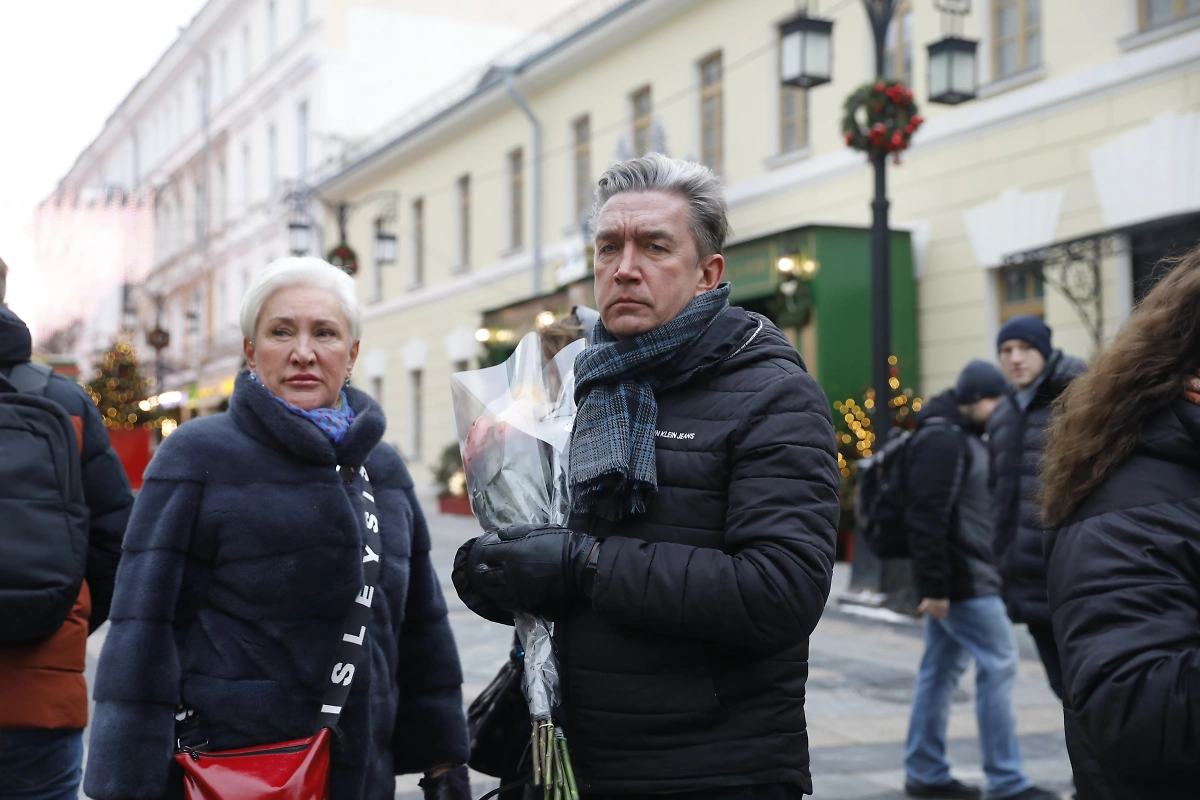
(773,791)
(1043,637)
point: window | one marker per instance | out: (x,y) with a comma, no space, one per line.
(417,275)
(898,44)
(1154,13)
(222,195)
(1022,291)
(302,13)
(222,75)
(414,415)
(712,114)
(200,209)
(582,132)
(271,28)
(793,119)
(272,161)
(301,140)
(516,199)
(245,53)
(1017,43)
(201,111)
(376,274)
(643,114)
(246,178)
(193,312)
(377,389)
(464,222)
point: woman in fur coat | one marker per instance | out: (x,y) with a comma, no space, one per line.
(243,556)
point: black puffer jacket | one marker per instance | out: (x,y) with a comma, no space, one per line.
(948,515)
(1017,442)
(688,669)
(1124,580)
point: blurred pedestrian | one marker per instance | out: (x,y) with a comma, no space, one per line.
(949,524)
(705,493)
(43,695)
(1016,438)
(1122,492)
(248,546)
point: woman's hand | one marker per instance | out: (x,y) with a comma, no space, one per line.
(1191,389)
(447,783)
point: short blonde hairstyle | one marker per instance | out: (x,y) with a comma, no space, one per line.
(284,273)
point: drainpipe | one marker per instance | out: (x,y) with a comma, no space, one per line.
(511,85)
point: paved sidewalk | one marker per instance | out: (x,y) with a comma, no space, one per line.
(859,689)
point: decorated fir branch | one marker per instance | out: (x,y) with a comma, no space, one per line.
(119,389)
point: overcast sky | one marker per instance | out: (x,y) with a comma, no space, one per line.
(64,67)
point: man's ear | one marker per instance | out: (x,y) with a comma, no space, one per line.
(712,269)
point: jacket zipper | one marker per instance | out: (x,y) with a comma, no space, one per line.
(295,748)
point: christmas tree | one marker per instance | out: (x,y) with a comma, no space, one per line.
(119,389)
(855,433)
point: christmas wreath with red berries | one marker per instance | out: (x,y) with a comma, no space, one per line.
(881,117)
(344,258)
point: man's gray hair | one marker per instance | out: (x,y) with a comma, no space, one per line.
(694,182)
(3,279)
(301,271)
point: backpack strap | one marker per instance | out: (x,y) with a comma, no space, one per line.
(30,378)
(961,464)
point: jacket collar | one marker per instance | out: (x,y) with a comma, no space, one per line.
(269,422)
(735,336)
(1174,435)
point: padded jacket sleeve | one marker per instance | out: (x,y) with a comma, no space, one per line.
(138,680)
(932,475)
(767,589)
(1126,611)
(431,728)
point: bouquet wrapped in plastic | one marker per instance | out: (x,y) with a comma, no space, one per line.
(514,430)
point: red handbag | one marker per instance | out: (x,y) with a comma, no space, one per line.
(299,769)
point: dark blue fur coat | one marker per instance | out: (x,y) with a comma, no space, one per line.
(242,557)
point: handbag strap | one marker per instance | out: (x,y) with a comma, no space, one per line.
(354,630)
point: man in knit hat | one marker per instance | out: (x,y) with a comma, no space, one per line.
(1016,440)
(949,522)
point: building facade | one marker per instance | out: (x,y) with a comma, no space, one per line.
(1053,192)
(252,99)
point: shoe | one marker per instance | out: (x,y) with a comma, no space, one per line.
(954,790)
(1032,793)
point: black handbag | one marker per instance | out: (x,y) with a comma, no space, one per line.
(498,721)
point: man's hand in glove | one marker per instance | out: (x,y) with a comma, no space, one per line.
(537,569)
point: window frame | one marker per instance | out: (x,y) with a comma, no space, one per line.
(463,244)
(643,123)
(899,60)
(515,160)
(1179,12)
(1022,34)
(1031,303)
(712,90)
(581,134)
(302,124)
(798,120)
(416,271)
(415,413)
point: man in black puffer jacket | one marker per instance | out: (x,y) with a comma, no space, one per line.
(949,524)
(1017,440)
(705,493)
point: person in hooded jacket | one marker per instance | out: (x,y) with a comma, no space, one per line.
(43,695)
(704,484)
(1016,440)
(949,524)
(1122,494)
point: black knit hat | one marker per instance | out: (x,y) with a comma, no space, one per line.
(1027,328)
(978,380)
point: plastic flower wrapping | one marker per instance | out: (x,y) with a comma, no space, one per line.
(514,431)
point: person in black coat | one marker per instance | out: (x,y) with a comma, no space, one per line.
(949,524)
(704,485)
(1122,490)
(1016,439)
(245,553)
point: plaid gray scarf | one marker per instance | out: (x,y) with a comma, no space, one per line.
(612,447)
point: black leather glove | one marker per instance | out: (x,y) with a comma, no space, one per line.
(537,569)
(454,784)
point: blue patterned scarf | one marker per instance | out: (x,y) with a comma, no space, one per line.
(613,473)
(333,422)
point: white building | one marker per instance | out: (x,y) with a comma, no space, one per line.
(248,103)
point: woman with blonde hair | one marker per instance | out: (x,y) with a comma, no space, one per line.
(1122,490)
(276,583)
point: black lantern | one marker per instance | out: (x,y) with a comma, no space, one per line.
(384,246)
(952,74)
(806,51)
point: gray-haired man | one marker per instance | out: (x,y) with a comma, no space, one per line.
(705,495)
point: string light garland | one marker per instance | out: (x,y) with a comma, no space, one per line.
(119,390)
